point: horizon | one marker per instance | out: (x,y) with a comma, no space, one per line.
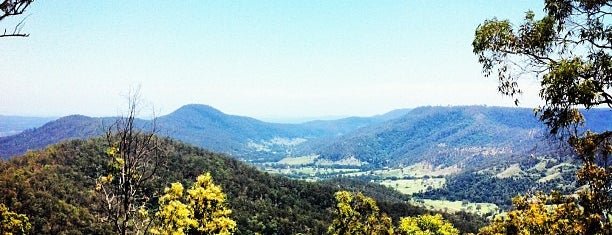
(265,60)
(277,119)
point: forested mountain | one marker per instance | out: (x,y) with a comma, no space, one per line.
(463,136)
(11,125)
(200,125)
(212,129)
(55,188)
(69,127)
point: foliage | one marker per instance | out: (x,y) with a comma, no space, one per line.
(470,185)
(13,223)
(569,50)
(358,215)
(204,211)
(547,214)
(55,189)
(207,203)
(426,225)
(174,216)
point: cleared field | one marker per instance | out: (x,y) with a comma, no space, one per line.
(454,206)
(314,170)
(513,170)
(298,160)
(414,185)
(416,170)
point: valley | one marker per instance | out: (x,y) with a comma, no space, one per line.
(427,153)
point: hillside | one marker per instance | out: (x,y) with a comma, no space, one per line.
(55,189)
(69,127)
(466,136)
(201,125)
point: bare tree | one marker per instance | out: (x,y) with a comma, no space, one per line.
(134,158)
(12,8)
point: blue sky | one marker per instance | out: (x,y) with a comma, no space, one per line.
(266,59)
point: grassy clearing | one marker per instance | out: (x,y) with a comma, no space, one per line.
(314,170)
(417,170)
(347,161)
(547,178)
(454,206)
(295,161)
(513,170)
(414,185)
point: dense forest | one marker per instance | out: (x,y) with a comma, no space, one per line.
(55,189)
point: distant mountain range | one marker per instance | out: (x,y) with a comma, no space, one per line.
(444,136)
(11,125)
(200,125)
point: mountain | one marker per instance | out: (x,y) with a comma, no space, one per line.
(69,127)
(55,188)
(346,125)
(212,129)
(465,136)
(11,125)
(201,125)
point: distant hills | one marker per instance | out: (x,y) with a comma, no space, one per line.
(441,135)
(11,125)
(200,125)
(444,136)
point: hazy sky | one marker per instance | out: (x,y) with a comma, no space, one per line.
(266,59)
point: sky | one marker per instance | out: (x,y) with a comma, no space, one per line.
(264,59)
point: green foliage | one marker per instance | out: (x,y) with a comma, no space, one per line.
(13,223)
(547,214)
(358,215)
(569,50)
(55,189)
(469,186)
(426,225)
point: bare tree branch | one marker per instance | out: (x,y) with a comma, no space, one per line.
(10,8)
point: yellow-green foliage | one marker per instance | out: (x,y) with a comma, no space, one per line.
(174,216)
(207,203)
(546,214)
(13,223)
(426,225)
(203,212)
(358,215)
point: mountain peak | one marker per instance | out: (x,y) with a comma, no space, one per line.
(196,110)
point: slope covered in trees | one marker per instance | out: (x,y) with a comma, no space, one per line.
(470,136)
(55,188)
(200,125)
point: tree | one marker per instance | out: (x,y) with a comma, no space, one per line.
(128,183)
(569,50)
(541,214)
(173,215)
(358,214)
(204,210)
(13,223)
(426,225)
(13,8)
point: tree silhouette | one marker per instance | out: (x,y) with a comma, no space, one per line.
(10,8)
